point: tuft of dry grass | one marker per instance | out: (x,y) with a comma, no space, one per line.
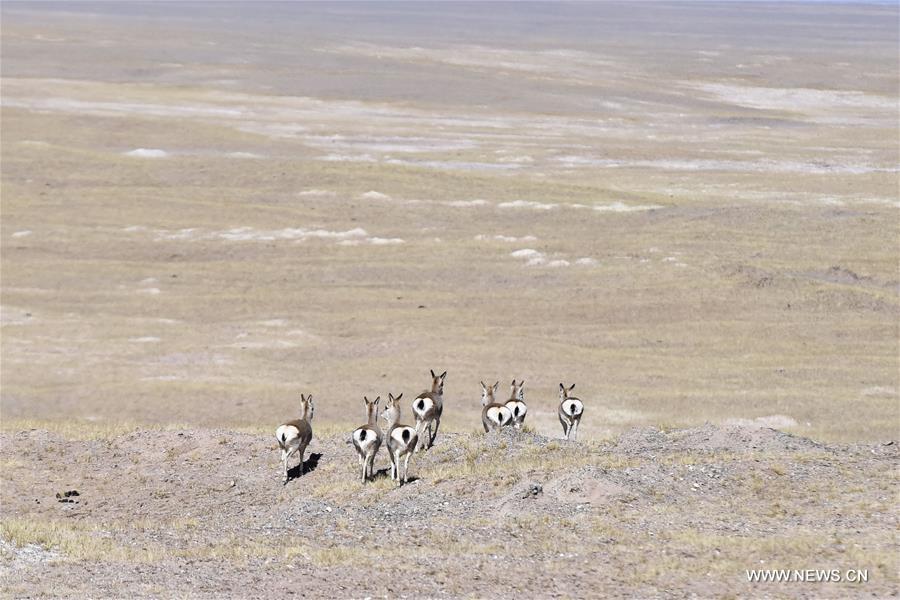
(74,542)
(95,543)
(482,461)
(78,429)
(10,463)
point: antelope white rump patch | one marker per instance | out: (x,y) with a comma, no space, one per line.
(499,415)
(287,433)
(397,434)
(361,436)
(574,407)
(517,409)
(422,405)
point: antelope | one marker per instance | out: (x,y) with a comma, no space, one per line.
(494,415)
(516,403)
(401,440)
(570,411)
(427,407)
(294,436)
(367,440)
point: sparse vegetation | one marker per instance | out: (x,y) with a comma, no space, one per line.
(206,214)
(72,541)
(469,502)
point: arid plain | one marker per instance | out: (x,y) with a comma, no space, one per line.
(688,210)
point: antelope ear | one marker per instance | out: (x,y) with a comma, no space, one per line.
(496,385)
(302,397)
(562,388)
(377,398)
(309,398)
(366,398)
(390,397)
(397,399)
(444,374)
(571,387)
(432,374)
(482,384)
(513,383)
(521,384)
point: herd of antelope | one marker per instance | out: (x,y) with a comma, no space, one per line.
(402,441)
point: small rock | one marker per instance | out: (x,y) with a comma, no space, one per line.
(66,496)
(533,490)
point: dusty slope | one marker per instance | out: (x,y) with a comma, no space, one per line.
(651,513)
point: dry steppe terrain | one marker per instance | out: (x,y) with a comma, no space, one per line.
(689,210)
(202,513)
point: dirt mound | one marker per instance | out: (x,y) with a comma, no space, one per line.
(568,493)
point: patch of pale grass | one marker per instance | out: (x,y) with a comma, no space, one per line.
(74,542)
(86,430)
(699,458)
(92,543)
(338,488)
(606,527)
(508,466)
(185,523)
(366,555)
(70,429)
(736,553)
(668,427)
(81,430)
(343,486)
(344,555)
(778,469)
(523,535)
(10,463)
(233,549)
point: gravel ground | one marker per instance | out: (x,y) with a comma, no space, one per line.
(678,513)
